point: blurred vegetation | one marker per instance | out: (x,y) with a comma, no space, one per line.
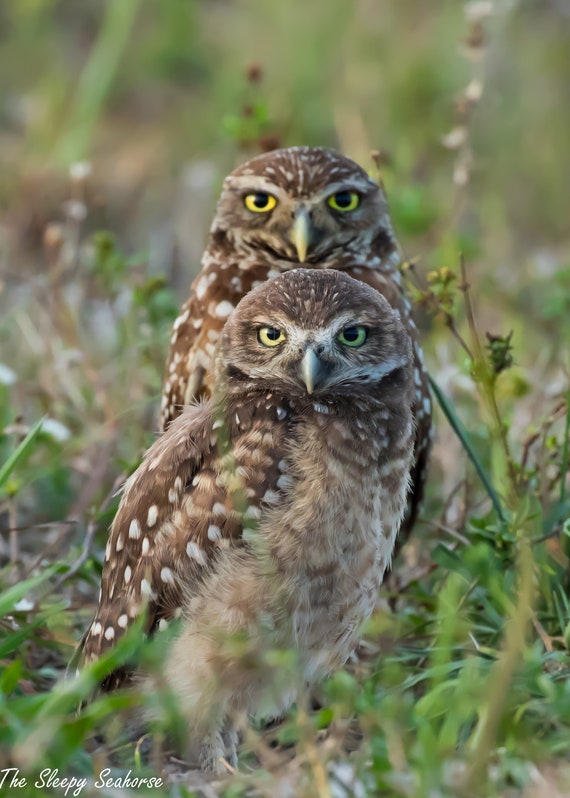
(118,121)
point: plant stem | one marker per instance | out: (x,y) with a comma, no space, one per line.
(485,734)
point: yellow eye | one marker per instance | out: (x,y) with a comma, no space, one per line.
(260,202)
(270,336)
(344,201)
(353,336)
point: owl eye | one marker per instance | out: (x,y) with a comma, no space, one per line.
(344,201)
(353,336)
(260,202)
(270,336)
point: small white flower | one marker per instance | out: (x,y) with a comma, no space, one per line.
(56,429)
(24,605)
(75,210)
(7,376)
(80,170)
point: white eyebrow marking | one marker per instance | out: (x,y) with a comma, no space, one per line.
(257,183)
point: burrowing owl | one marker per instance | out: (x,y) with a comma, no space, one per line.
(269,510)
(297,205)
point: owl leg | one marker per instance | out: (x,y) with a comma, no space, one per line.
(192,671)
(230,740)
(217,748)
(215,666)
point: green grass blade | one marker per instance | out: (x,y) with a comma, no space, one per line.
(461,433)
(22,451)
(565,451)
(96,80)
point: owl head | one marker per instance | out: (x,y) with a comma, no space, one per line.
(315,335)
(302,204)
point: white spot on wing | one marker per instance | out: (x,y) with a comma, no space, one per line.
(214,532)
(181,319)
(152,516)
(204,283)
(134,529)
(223,309)
(195,552)
(284,481)
(271,496)
(252,513)
(166,575)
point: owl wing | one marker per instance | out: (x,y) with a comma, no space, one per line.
(184,505)
(188,355)
(421,408)
(143,551)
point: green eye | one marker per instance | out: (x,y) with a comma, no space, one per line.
(270,336)
(353,336)
(344,201)
(260,202)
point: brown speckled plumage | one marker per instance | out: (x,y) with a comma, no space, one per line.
(272,508)
(248,248)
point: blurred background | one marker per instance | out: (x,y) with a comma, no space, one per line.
(118,122)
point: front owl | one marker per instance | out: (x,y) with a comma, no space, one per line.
(271,510)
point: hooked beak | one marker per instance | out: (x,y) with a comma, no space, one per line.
(313,370)
(301,234)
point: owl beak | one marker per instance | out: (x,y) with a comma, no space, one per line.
(301,234)
(313,370)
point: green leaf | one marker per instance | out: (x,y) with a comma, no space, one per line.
(10,677)
(451,561)
(461,433)
(22,451)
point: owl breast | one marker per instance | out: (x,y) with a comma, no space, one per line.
(331,546)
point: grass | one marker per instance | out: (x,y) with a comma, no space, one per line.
(462,687)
